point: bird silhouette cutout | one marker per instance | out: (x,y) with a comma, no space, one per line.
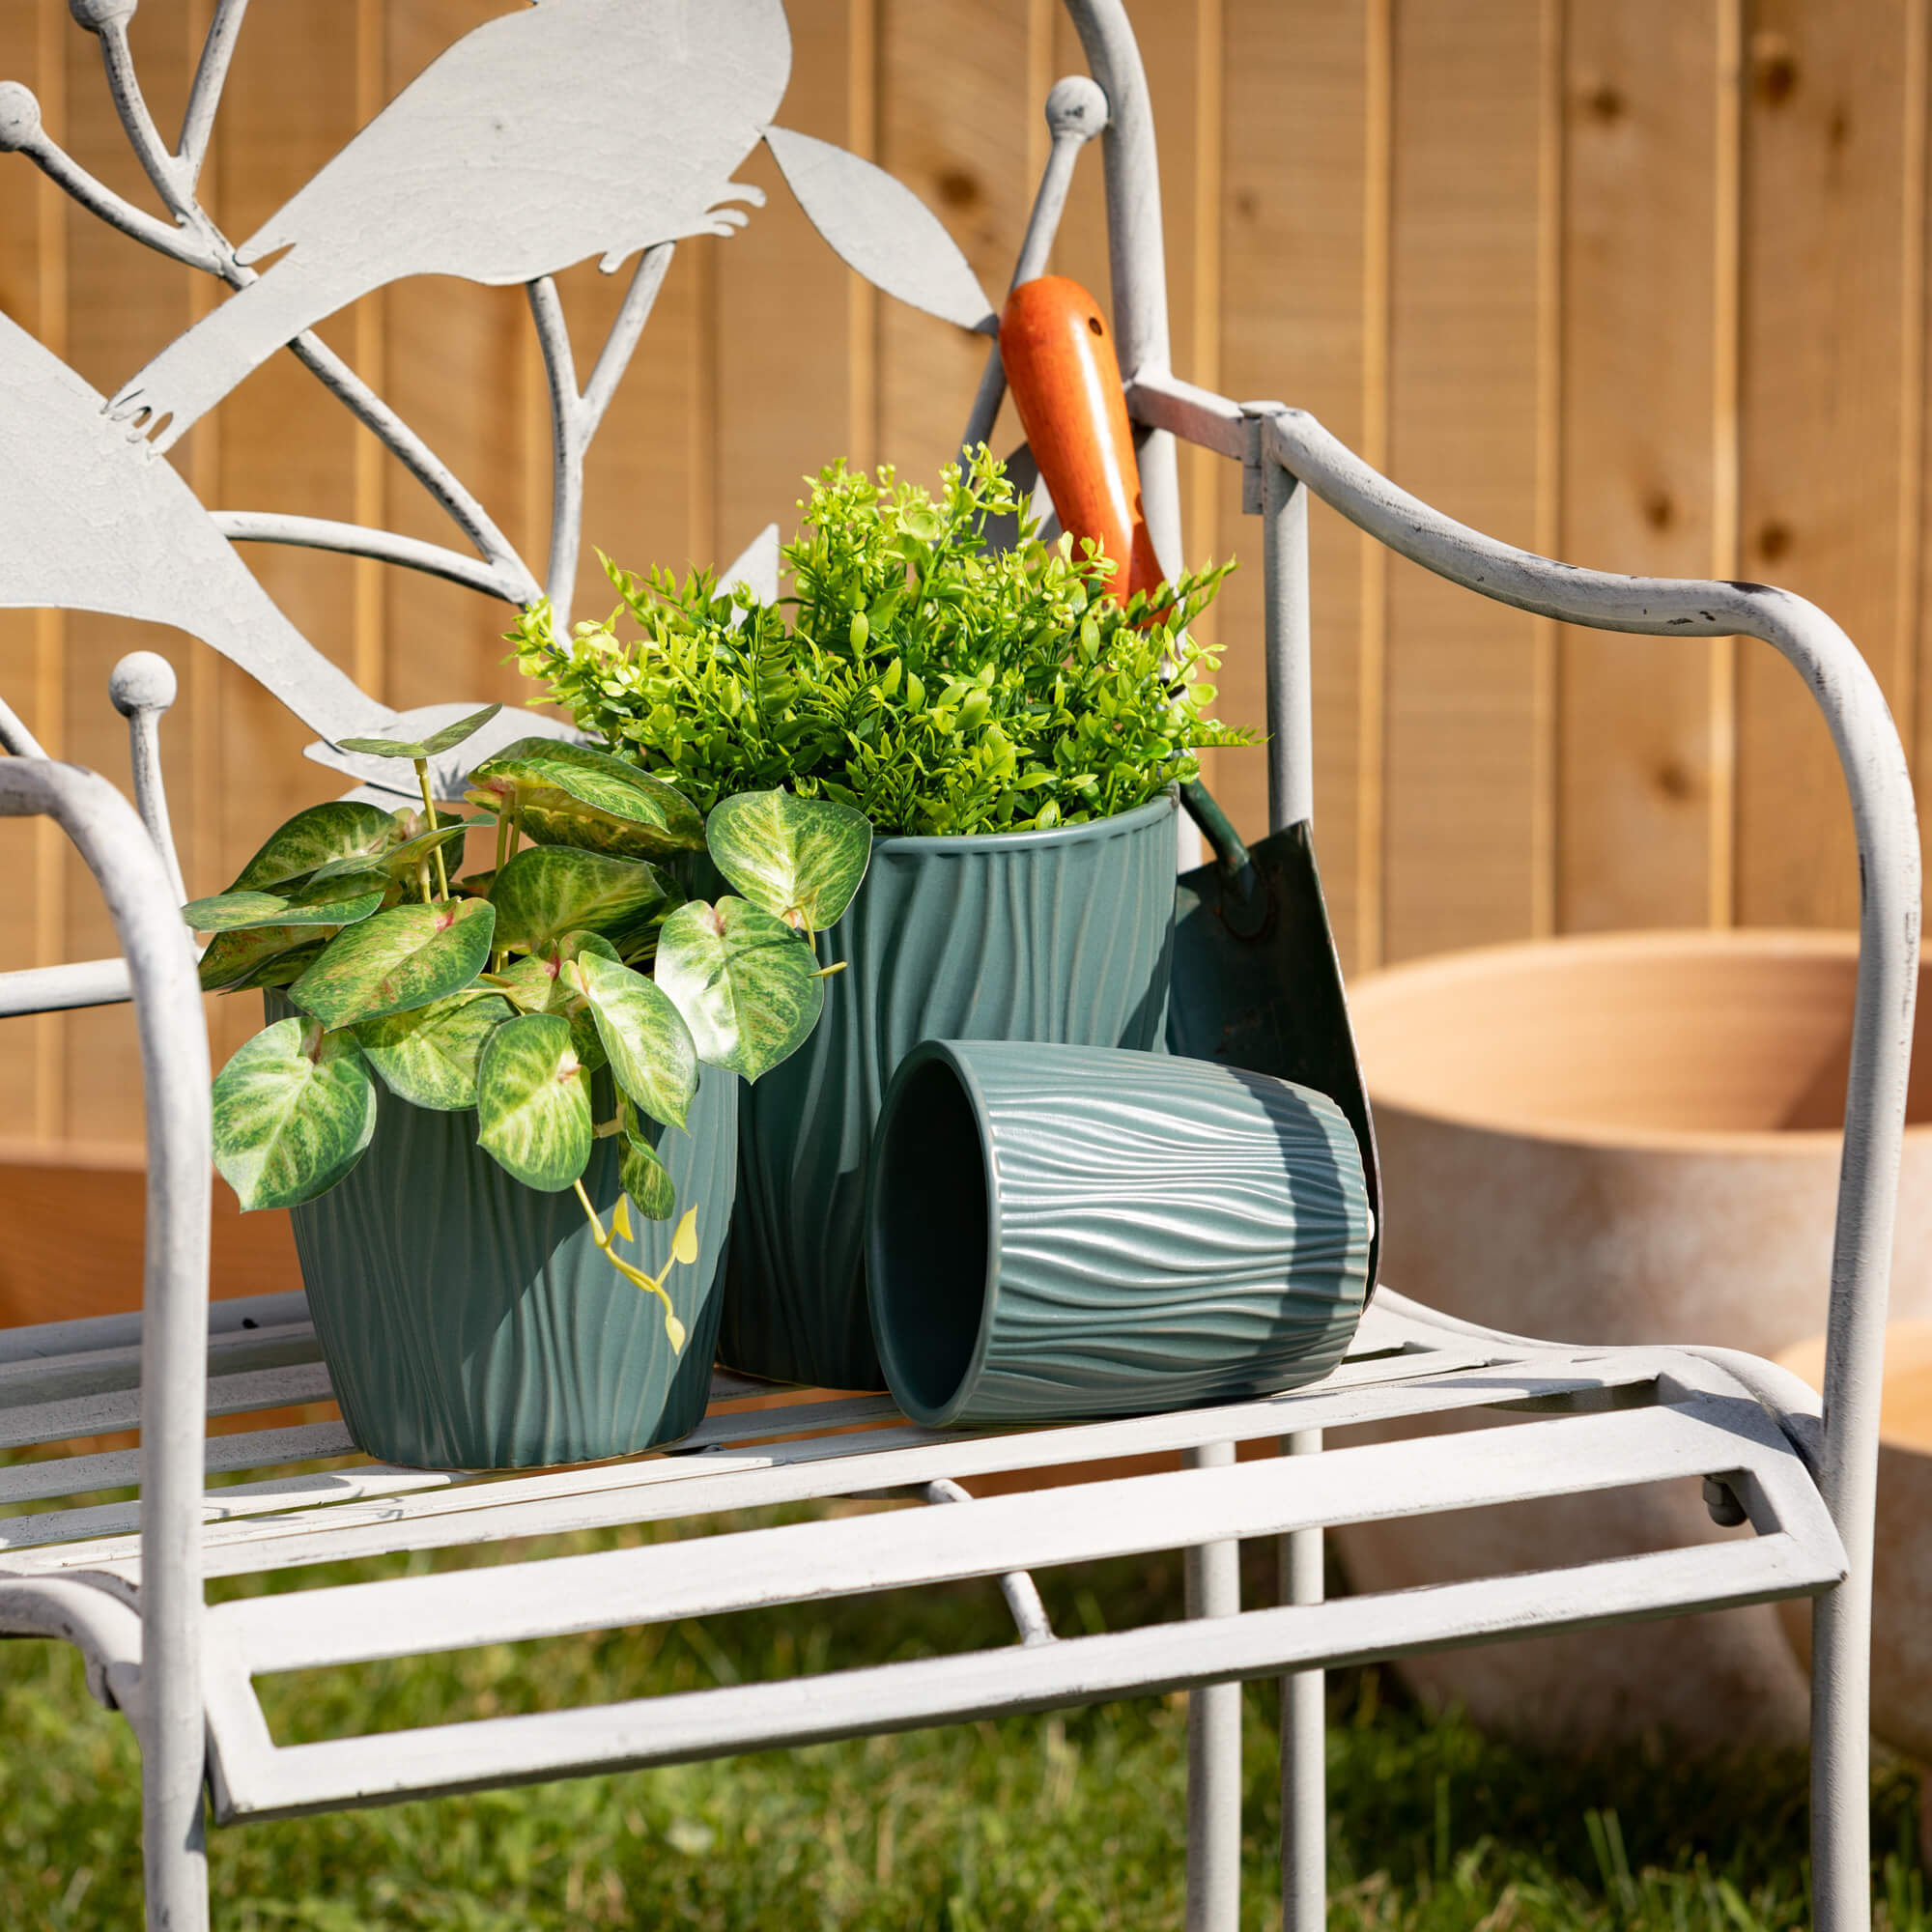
(541,138)
(88,523)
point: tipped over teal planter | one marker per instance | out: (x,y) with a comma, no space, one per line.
(1054,1233)
(1060,935)
(469,1322)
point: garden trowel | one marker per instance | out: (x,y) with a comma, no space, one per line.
(1257,982)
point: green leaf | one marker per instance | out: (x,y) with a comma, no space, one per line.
(801,858)
(235,960)
(585,1041)
(241,912)
(408,859)
(745,983)
(650,1048)
(645,1177)
(284,969)
(575,944)
(334,886)
(533,1102)
(684,1243)
(566,794)
(452,735)
(438,741)
(552,890)
(428,1056)
(340,830)
(294,1110)
(402,958)
(529,985)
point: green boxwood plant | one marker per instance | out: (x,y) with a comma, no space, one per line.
(917,674)
(507,990)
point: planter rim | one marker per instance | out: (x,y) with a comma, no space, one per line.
(1117,822)
(938,1416)
(1391,983)
(1908,1345)
(1466,962)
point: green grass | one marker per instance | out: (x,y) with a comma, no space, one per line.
(1070,1821)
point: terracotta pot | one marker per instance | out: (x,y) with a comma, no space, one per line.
(1901,1648)
(1627,1138)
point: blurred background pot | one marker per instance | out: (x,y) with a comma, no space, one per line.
(1901,1646)
(1056,1232)
(1630,1138)
(469,1321)
(1060,935)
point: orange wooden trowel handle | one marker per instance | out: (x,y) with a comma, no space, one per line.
(1067,386)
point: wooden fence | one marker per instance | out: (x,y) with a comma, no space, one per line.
(1639,283)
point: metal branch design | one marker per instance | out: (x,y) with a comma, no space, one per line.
(461,174)
(574,418)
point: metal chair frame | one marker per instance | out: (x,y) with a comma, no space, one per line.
(126,1583)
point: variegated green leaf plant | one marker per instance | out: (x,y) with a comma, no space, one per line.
(505,991)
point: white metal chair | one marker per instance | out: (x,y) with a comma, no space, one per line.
(126,1582)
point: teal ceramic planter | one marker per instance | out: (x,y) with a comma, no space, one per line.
(1054,1233)
(1060,935)
(469,1322)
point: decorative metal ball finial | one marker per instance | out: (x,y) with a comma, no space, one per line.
(94,15)
(19,116)
(142,681)
(1076,105)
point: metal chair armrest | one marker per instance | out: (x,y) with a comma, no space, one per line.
(1876,777)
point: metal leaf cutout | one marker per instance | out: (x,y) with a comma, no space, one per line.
(755,567)
(878,226)
(541,138)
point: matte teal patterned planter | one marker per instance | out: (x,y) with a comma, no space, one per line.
(1054,1233)
(1060,935)
(469,1322)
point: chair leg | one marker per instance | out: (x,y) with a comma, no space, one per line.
(1213,1576)
(1304,1739)
(1842,1757)
(174,1827)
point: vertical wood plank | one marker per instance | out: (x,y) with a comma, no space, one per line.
(786,389)
(1640,392)
(1295,165)
(1726,351)
(638,485)
(31,240)
(953,126)
(123,304)
(862,300)
(454,360)
(369,647)
(1830,282)
(295,95)
(1370,787)
(1463,433)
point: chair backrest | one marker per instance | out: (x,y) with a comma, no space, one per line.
(457,175)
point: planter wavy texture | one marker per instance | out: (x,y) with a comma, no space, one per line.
(1060,935)
(1165,1238)
(470,1322)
